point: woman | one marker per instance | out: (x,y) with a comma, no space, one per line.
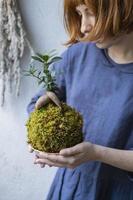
(98,82)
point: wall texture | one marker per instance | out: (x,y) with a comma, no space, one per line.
(20,179)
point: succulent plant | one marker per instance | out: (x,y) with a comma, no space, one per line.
(56,125)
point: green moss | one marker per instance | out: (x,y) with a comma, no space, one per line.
(51,129)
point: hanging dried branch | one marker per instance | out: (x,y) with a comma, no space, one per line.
(12,43)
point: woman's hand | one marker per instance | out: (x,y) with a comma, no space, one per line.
(69,157)
(42,101)
(46,98)
(31,150)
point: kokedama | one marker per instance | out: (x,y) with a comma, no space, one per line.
(56,125)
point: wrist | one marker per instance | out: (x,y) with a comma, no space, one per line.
(99,152)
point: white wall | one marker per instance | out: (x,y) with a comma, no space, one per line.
(20,179)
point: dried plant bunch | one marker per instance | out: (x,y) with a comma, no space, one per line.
(56,125)
(13,40)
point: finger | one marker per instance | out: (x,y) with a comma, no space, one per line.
(36,156)
(41,165)
(30,148)
(43,100)
(49,163)
(71,151)
(41,154)
(44,162)
(53,157)
(58,159)
(54,98)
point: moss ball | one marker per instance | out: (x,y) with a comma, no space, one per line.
(51,128)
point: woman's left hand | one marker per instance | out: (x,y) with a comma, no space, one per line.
(69,157)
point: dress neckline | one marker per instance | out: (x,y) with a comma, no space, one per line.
(126,67)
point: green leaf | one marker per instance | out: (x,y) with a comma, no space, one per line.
(43,57)
(32,70)
(37,58)
(40,81)
(55,59)
(39,55)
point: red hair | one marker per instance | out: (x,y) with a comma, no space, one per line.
(113,18)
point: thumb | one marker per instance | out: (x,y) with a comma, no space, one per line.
(43,100)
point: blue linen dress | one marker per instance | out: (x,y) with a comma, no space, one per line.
(102,91)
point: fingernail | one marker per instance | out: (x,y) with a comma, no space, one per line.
(42,165)
(35,161)
(37,156)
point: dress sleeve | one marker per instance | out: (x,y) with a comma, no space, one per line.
(60,71)
(31,105)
